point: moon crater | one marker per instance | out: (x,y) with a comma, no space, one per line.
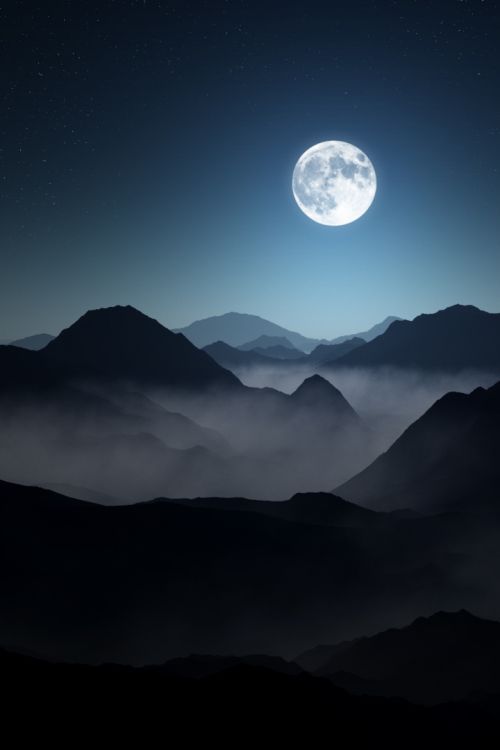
(334,183)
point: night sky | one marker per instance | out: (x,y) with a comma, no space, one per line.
(147,151)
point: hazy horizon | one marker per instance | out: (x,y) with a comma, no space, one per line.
(329,334)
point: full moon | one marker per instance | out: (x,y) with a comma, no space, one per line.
(334,183)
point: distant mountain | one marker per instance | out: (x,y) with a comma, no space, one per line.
(265,342)
(237,329)
(280,352)
(445,657)
(230,356)
(447,459)
(371,333)
(121,343)
(457,338)
(33,342)
(241,330)
(324,353)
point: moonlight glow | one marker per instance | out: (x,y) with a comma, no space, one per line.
(334,183)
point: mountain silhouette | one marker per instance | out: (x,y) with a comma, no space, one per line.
(370,334)
(456,338)
(100,434)
(316,394)
(216,580)
(251,697)
(265,342)
(330,352)
(121,343)
(208,580)
(230,356)
(445,657)
(237,329)
(36,342)
(447,459)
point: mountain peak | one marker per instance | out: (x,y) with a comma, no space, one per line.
(316,392)
(123,343)
(455,338)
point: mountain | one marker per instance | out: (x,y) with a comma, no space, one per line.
(121,343)
(146,582)
(370,334)
(447,459)
(265,342)
(229,356)
(324,353)
(457,338)
(240,330)
(445,657)
(237,329)
(323,399)
(33,342)
(251,697)
(76,414)
(280,352)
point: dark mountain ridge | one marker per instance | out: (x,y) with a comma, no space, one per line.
(255,696)
(447,459)
(444,657)
(124,344)
(456,338)
(147,582)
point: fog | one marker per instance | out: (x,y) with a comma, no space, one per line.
(388,399)
(116,444)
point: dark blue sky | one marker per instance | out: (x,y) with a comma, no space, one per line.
(147,150)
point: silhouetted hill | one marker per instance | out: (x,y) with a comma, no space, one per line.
(121,343)
(440,658)
(233,707)
(237,329)
(142,583)
(318,394)
(33,342)
(449,458)
(371,333)
(457,338)
(330,352)
(264,342)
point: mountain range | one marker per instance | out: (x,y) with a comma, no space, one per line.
(237,358)
(145,582)
(120,406)
(456,338)
(253,696)
(449,656)
(239,329)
